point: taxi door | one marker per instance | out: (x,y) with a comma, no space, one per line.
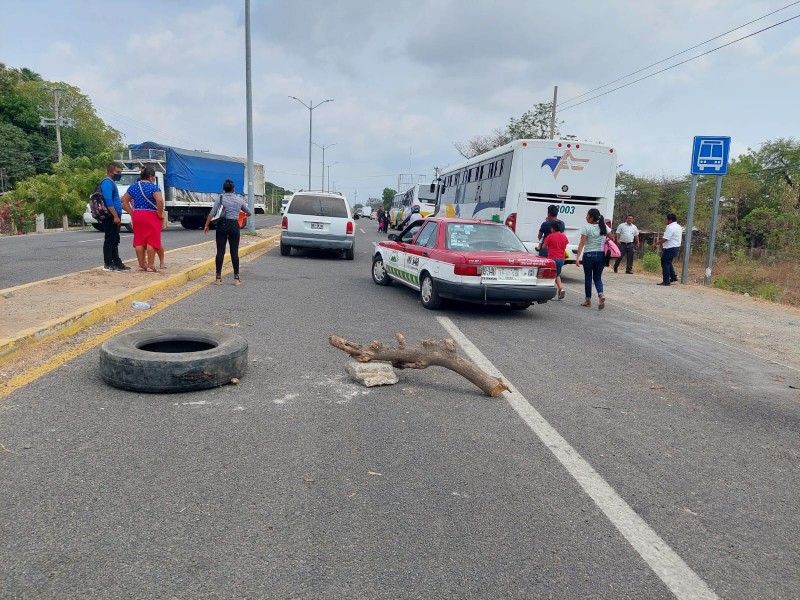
(418,253)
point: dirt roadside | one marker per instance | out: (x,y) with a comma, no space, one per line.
(756,327)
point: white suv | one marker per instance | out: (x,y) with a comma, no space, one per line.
(318,220)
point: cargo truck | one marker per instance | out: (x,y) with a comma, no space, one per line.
(192,180)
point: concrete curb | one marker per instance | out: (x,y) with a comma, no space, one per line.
(89,315)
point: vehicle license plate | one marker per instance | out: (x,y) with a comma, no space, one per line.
(500,273)
(317,225)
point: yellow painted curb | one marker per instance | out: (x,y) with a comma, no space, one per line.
(93,313)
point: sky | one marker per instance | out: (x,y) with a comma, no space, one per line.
(411,78)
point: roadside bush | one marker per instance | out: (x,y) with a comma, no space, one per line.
(651,261)
(748,277)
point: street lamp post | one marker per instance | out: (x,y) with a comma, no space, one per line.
(323,161)
(329,175)
(310,106)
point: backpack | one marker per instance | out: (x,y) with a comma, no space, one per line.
(97,205)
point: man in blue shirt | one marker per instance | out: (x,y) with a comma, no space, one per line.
(111,259)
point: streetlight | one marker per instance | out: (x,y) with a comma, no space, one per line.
(323,161)
(329,175)
(310,106)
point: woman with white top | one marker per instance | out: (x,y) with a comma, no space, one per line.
(593,257)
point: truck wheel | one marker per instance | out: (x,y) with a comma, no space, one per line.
(172,360)
(379,274)
(190,222)
(428,294)
(285,250)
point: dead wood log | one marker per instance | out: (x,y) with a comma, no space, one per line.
(430,353)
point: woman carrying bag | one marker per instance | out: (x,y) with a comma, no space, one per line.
(145,202)
(591,256)
(225,213)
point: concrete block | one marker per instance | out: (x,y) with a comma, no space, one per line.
(372,373)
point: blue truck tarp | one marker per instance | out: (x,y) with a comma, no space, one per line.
(197,171)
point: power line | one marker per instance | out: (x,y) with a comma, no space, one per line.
(683,62)
(716,37)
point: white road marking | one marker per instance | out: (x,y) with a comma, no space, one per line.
(670,568)
(100,239)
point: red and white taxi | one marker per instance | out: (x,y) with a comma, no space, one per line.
(464,259)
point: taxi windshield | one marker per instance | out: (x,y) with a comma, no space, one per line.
(482,237)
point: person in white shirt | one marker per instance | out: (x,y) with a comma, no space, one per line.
(627,239)
(671,245)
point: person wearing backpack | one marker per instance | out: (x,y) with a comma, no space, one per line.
(108,187)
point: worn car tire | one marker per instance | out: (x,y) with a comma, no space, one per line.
(172,360)
(379,274)
(350,253)
(428,294)
(285,250)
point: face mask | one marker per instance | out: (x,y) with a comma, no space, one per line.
(117,176)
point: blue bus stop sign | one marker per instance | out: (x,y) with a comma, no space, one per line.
(710,155)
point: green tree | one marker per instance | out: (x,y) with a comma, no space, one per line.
(533,124)
(16,161)
(388,196)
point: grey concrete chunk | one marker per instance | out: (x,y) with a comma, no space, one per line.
(372,373)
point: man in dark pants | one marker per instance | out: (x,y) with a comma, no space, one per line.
(627,239)
(111,259)
(671,245)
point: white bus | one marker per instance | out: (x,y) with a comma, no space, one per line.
(420,195)
(515,183)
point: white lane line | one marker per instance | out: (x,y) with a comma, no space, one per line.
(670,568)
(100,239)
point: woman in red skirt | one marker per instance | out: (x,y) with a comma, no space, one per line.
(145,202)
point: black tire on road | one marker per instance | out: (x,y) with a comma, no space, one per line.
(351,252)
(128,228)
(428,294)
(285,250)
(172,360)
(379,274)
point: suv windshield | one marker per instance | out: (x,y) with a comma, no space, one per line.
(482,237)
(318,206)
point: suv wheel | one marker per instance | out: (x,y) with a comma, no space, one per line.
(285,250)
(351,252)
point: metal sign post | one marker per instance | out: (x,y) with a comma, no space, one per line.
(709,157)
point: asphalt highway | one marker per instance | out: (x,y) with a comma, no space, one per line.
(299,483)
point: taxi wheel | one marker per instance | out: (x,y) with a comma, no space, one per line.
(428,294)
(379,274)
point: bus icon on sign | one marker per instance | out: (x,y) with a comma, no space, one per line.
(710,155)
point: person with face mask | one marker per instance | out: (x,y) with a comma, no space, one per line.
(111,259)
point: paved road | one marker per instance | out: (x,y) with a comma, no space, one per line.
(27,258)
(300,484)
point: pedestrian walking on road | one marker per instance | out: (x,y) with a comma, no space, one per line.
(228,230)
(670,247)
(544,229)
(556,244)
(593,257)
(111,259)
(146,204)
(627,238)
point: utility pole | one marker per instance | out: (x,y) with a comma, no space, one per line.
(553,113)
(59,121)
(251,222)
(322,189)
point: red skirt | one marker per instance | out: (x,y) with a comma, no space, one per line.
(146,228)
